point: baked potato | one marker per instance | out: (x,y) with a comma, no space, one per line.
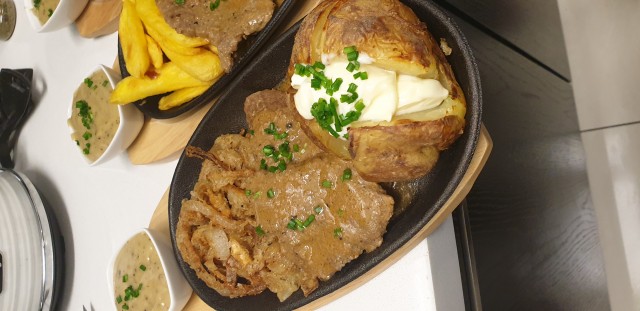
(407,146)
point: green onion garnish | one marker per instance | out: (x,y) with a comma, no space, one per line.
(346,175)
(247,192)
(268,150)
(143,267)
(337,232)
(86,135)
(85,113)
(214,5)
(327,184)
(352,87)
(119,299)
(270,193)
(282,165)
(318,65)
(351,67)
(292,224)
(359,106)
(125,307)
(125,278)
(309,220)
(88,82)
(49,12)
(259,231)
(179,2)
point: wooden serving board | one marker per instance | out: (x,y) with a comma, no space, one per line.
(160,222)
(99,18)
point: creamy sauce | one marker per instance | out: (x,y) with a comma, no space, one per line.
(94,134)
(154,291)
(43,9)
(385,93)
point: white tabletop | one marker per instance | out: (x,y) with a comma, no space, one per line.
(99,207)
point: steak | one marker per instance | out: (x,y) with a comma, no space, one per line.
(224,26)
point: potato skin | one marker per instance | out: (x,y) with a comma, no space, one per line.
(408,146)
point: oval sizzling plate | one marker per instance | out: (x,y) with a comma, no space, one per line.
(247,48)
(266,72)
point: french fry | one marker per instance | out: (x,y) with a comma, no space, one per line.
(204,66)
(169,78)
(155,53)
(133,40)
(165,43)
(153,19)
(181,96)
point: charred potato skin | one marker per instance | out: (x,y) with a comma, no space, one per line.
(404,151)
(406,147)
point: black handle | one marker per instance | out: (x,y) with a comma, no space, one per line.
(15,105)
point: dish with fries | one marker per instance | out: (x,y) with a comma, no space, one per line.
(166,73)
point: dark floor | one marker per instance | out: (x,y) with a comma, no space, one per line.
(533,227)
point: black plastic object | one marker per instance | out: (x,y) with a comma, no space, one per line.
(15,105)
(267,71)
(247,48)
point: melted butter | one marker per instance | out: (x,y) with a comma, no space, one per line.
(106,118)
(154,294)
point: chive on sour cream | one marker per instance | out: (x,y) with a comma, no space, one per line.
(384,93)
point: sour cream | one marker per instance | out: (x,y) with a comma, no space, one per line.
(385,93)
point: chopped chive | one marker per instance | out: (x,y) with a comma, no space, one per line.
(352,87)
(318,65)
(86,135)
(88,82)
(359,106)
(125,307)
(119,299)
(257,194)
(179,2)
(143,267)
(340,212)
(351,67)
(346,175)
(125,278)
(272,169)
(346,135)
(263,164)
(247,192)
(349,49)
(282,165)
(327,184)
(364,75)
(214,5)
(49,12)
(268,150)
(352,56)
(309,220)
(337,232)
(259,231)
(270,193)
(292,224)
(105,83)
(316,83)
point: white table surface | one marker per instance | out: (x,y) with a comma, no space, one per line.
(99,207)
